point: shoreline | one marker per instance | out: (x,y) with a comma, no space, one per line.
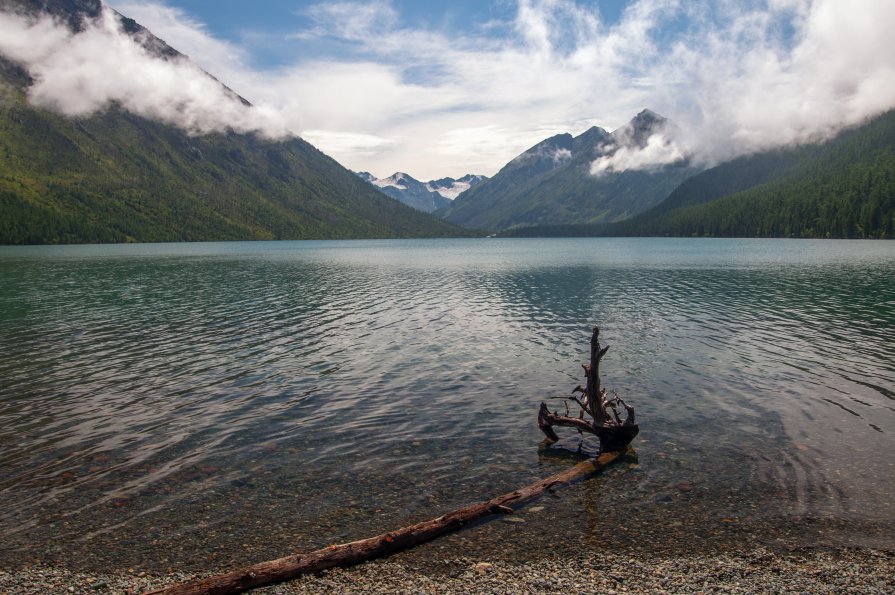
(816,570)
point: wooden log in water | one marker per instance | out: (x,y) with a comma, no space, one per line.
(347,554)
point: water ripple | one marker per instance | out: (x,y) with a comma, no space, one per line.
(139,384)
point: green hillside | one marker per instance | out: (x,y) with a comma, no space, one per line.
(117,177)
(843,188)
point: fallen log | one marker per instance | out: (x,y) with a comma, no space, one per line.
(347,554)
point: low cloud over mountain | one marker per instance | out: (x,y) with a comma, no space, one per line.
(80,72)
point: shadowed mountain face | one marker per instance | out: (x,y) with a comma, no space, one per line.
(114,176)
(552,183)
(72,12)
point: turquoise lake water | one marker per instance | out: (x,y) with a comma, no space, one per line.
(193,405)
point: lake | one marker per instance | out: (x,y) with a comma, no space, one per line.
(203,405)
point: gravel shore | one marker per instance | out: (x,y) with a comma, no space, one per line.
(761,571)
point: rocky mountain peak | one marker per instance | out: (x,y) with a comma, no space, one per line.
(591,140)
(641,127)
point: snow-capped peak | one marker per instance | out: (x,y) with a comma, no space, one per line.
(451,188)
(428,197)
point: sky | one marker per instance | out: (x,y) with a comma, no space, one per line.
(440,89)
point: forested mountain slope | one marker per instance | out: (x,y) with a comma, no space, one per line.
(115,177)
(844,188)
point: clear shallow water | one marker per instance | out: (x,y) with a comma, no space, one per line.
(208,404)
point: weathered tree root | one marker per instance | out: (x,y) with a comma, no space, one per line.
(614,434)
(348,554)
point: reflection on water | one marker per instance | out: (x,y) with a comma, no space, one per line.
(248,399)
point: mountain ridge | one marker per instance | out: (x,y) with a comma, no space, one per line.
(424,196)
(552,183)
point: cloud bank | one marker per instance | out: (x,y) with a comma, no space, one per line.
(80,74)
(383,95)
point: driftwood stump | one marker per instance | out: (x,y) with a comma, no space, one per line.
(614,434)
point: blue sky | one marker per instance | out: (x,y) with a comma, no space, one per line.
(276,20)
(447,88)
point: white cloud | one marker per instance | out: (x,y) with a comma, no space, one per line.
(79,74)
(346,143)
(474,147)
(743,87)
(736,77)
(561,155)
(351,20)
(659,150)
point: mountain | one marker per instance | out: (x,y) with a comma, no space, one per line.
(451,188)
(115,176)
(428,196)
(638,131)
(841,188)
(408,190)
(552,182)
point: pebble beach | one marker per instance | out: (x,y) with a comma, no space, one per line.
(761,571)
